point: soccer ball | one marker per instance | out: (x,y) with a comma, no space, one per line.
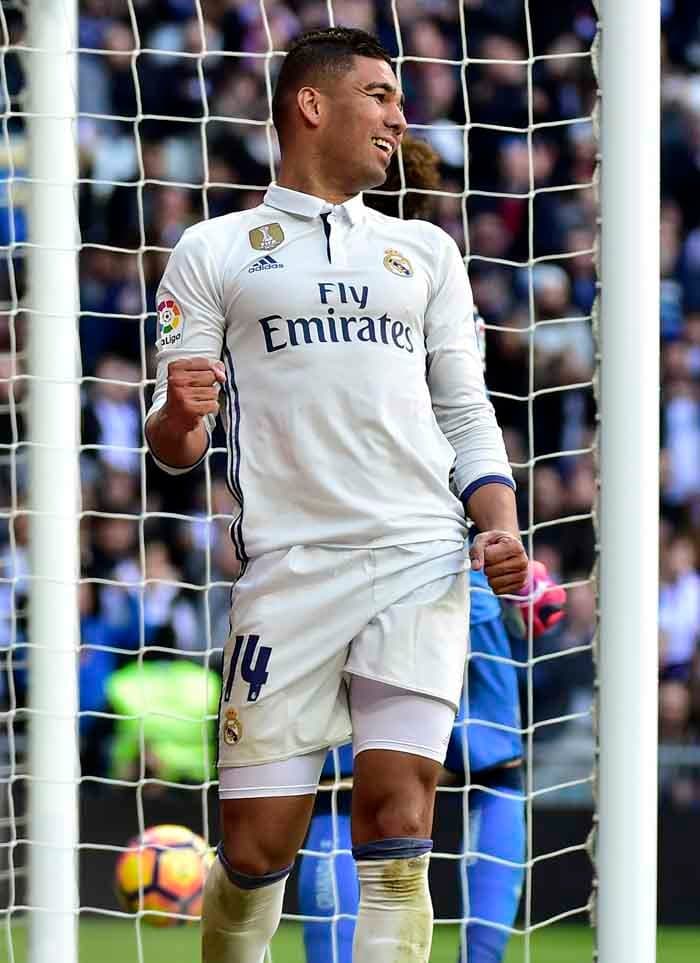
(163,872)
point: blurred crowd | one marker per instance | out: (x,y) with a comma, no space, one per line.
(174,111)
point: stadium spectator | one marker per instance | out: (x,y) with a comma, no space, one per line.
(679,609)
(113,414)
(146,180)
(562,677)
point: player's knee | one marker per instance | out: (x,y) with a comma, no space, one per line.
(396,816)
(253,862)
(251,849)
(395,807)
(253,855)
(404,810)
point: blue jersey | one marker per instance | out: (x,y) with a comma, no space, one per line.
(492,690)
(483,604)
(492,696)
(338,763)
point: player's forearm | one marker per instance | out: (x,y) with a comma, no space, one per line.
(474,433)
(171,444)
(492,508)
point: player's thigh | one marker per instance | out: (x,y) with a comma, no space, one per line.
(292,616)
(399,739)
(419,641)
(265,811)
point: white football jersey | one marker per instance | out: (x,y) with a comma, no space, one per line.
(354,382)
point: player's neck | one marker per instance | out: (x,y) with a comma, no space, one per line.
(309,181)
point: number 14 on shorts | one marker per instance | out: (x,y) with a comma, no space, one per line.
(253,665)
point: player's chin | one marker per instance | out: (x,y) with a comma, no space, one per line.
(383,162)
(374,175)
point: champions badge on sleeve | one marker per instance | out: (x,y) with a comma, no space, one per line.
(170,323)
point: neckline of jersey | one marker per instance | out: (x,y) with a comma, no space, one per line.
(308,205)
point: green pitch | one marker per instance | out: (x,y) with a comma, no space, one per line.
(115,941)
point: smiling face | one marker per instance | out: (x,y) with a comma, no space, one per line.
(360,126)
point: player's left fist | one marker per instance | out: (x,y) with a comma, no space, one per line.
(503,560)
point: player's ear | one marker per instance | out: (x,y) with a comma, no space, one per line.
(309,102)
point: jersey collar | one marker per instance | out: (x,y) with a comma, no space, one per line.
(307,205)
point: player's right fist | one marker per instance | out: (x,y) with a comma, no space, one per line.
(193,390)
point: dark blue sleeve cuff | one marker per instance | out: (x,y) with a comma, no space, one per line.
(485,480)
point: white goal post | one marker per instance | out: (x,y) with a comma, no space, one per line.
(52,306)
(628,655)
(627,650)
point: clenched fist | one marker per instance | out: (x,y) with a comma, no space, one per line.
(193,390)
(503,559)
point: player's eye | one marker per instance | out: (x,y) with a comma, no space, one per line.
(380,97)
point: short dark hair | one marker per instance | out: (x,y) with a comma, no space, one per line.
(317,52)
(421,172)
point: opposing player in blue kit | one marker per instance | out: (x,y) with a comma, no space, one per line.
(485,751)
(485,748)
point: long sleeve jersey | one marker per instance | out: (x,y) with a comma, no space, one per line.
(355,407)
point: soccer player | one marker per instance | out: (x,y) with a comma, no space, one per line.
(485,751)
(353,391)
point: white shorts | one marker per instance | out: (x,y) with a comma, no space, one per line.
(383,717)
(305,618)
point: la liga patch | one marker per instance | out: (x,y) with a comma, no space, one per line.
(170,323)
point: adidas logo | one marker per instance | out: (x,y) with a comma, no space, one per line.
(266,263)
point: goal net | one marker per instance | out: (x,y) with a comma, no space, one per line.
(173,125)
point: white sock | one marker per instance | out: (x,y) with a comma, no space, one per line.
(238,924)
(395,920)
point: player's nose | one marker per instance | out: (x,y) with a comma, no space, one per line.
(396,121)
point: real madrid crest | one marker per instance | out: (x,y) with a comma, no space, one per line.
(267,237)
(233,730)
(395,262)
